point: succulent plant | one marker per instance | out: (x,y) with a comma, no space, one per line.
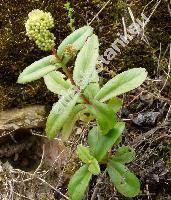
(79,94)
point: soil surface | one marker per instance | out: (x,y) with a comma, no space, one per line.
(31,167)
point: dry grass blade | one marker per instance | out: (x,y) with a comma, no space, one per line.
(169,70)
(99,12)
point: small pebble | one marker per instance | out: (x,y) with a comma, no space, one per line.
(146,119)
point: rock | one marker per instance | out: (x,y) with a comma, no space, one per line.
(146,119)
(22,147)
(29,117)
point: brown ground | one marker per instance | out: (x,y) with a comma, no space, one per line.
(153,161)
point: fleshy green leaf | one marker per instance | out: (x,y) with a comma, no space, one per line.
(60,113)
(91,90)
(124,155)
(124,82)
(77,38)
(79,183)
(116,104)
(100,144)
(95,77)
(84,154)
(93,87)
(78,44)
(124,180)
(38,69)
(55,82)
(86,61)
(70,122)
(94,167)
(104,115)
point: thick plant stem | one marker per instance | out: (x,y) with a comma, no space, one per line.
(87,101)
(58,59)
(69,76)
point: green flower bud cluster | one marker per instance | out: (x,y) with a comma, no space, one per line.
(70,50)
(37,27)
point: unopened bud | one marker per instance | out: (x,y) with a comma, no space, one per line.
(70,51)
(37,27)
